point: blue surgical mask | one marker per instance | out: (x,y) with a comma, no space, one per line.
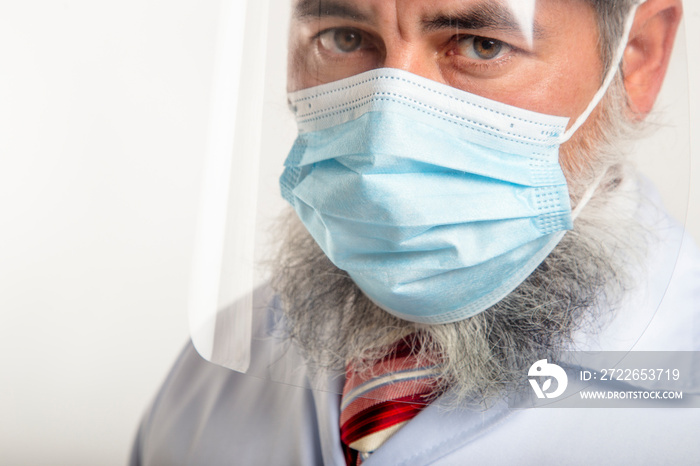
(437,202)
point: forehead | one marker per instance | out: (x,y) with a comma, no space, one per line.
(372,10)
(528,18)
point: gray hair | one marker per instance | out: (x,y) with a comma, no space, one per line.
(611,16)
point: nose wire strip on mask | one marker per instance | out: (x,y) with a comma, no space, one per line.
(610,75)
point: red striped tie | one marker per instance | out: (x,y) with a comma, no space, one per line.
(374,407)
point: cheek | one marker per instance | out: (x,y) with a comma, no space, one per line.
(566,95)
(302,71)
(293,65)
(571,69)
(573,84)
(561,89)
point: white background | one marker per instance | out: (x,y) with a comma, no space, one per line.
(103,122)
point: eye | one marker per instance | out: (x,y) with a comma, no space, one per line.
(482,48)
(342,40)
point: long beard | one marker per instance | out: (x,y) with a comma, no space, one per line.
(486,356)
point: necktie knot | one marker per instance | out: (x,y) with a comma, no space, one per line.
(378,401)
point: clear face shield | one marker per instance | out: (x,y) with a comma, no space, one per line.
(447,162)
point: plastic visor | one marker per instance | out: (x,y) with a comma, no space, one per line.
(235,319)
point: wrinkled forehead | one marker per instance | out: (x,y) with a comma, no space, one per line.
(512,16)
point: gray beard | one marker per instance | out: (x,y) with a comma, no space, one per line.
(484,357)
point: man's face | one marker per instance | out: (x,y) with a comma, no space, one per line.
(545,59)
(549,64)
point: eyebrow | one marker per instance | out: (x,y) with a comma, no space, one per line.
(484,15)
(306,9)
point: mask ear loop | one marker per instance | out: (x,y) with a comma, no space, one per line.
(612,72)
(594,103)
(587,195)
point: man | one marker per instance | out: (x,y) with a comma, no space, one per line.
(432,186)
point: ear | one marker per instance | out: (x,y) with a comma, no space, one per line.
(648,52)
